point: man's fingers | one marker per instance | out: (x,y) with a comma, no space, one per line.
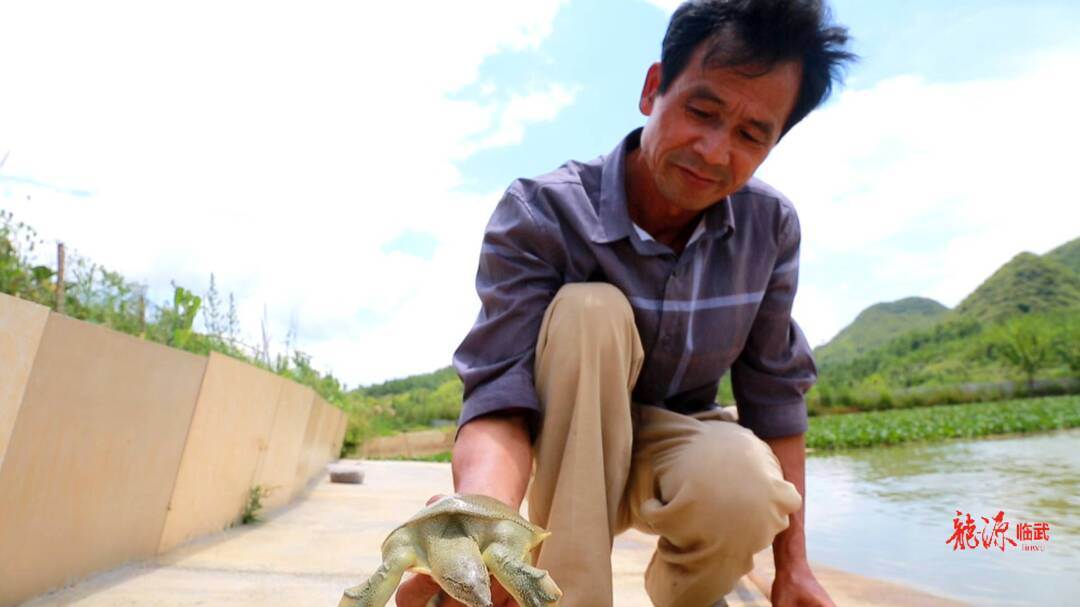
(418,590)
(499,596)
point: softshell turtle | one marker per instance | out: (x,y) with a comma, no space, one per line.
(457,540)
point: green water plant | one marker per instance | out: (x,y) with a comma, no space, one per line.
(943,422)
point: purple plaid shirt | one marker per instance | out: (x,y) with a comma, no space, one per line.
(723,304)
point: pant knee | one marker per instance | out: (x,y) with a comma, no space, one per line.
(589,315)
(729,484)
(590,303)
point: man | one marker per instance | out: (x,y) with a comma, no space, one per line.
(616,293)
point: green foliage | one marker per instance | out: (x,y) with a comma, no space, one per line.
(413,406)
(1067,255)
(18,275)
(1067,342)
(442,457)
(1025,342)
(1027,284)
(254,505)
(877,325)
(429,381)
(943,422)
(957,360)
(95,294)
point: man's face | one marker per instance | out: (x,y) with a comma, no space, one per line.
(708,133)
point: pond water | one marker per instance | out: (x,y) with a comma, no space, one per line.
(888,513)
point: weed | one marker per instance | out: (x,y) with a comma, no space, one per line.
(254,504)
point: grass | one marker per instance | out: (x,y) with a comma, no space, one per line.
(943,422)
(442,457)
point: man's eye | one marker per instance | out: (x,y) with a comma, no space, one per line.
(699,113)
(747,135)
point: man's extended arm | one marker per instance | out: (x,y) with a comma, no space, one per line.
(493,456)
(770,380)
(794,583)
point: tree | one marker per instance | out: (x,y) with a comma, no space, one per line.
(1025,343)
(1067,344)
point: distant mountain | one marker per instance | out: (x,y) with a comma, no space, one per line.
(1028,283)
(878,324)
(427,381)
(1067,254)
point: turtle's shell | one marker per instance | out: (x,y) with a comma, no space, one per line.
(476,506)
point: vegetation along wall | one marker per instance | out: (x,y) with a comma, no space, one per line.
(114,449)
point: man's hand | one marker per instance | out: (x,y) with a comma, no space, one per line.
(797,587)
(493,457)
(418,590)
(795,584)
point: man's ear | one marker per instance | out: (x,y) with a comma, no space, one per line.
(651,90)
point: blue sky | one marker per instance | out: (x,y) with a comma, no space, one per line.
(335,165)
(603,47)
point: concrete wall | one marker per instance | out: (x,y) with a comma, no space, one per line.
(21,326)
(95,449)
(276,469)
(317,449)
(339,432)
(113,448)
(230,430)
(309,452)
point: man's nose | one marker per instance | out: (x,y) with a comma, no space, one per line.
(714,148)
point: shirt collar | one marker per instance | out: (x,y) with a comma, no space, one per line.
(614,216)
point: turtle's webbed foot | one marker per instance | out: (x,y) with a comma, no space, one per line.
(530,587)
(376,591)
(398,555)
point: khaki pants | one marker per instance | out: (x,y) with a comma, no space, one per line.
(709,488)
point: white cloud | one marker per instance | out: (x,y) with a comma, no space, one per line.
(538,106)
(277,145)
(917,188)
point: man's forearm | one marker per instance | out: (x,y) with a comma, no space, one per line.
(493,456)
(789,546)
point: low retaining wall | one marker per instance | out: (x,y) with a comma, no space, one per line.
(114,449)
(409,444)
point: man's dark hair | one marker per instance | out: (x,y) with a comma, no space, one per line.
(760,34)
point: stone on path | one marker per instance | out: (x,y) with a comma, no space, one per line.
(349,474)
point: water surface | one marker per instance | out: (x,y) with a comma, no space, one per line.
(888,512)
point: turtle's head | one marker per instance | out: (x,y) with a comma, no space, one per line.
(457,566)
(470,587)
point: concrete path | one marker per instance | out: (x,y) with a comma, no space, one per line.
(309,552)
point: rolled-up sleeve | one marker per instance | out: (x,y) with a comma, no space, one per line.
(776,368)
(517,278)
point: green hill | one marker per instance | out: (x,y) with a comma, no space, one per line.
(1067,254)
(428,381)
(1027,284)
(878,324)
